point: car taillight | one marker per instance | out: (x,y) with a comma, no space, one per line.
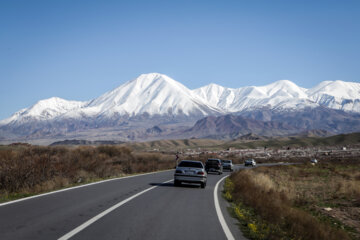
(201,173)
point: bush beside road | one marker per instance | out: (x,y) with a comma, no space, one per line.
(298,201)
(28,170)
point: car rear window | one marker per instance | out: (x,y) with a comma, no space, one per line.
(190,164)
(226,161)
(212,161)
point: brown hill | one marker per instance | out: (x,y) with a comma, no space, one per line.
(231,126)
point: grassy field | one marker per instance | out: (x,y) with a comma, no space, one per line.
(27,170)
(299,201)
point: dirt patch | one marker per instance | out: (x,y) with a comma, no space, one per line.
(349,216)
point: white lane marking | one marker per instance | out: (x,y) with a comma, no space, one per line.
(224,226)
(85,185)
(102,214)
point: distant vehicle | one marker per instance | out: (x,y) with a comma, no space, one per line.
(227,164)
(214,165)
(314,160)
(250,162)
(189,171)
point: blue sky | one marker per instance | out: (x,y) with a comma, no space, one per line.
(78,50)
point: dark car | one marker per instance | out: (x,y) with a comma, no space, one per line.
(214,165)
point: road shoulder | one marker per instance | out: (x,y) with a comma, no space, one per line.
(232,223)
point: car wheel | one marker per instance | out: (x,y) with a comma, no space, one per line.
(176,183)
(203,185)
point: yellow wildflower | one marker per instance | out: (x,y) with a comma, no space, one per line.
(252,227)
(238,213)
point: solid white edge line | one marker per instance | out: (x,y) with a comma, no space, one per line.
(224,226)
(85,185)
(102,214)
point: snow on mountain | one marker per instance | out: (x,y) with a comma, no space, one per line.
(280,94)
(284,88)
(283,93)
(13,117)
(338,89)
(46,109)
(152,93)
(337,95)
(158,94)
(216,95)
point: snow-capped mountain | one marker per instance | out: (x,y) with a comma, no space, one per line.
(152,94)
(44,110)
(158,94)
(280,94)
(337,95)
(155,95)
(284,94)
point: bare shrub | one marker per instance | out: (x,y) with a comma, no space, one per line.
(38,169)
(271,202)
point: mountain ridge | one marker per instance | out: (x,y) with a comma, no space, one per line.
(156,99)
(158,94)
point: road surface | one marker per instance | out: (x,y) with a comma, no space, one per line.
(139,207)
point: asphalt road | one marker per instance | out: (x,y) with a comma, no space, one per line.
(162,212)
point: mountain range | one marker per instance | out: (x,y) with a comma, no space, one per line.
(156,106)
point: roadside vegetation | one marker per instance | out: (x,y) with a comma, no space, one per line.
(26,170)
(298,201)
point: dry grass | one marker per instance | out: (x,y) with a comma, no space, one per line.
(33,169)
(307,184)
(294,199)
